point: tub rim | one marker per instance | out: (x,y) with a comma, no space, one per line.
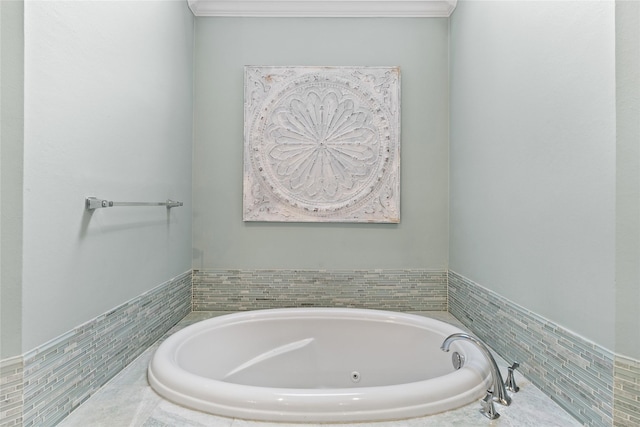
(378,403)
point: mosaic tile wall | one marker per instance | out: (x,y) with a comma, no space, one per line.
(61,374)
(626,389)
(576,373)
(11,388)
(44,385)
(396,290)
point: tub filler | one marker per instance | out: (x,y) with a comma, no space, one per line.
(318,365)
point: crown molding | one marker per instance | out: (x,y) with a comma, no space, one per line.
(324,8)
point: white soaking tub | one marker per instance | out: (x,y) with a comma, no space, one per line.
(318,365)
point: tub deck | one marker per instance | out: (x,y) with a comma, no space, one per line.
(128,400)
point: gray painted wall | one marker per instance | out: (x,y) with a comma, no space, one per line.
(11,151)
(533,148)
(224,46)
(108,113)
(628,178)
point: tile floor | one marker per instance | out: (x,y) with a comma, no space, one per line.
(128,400)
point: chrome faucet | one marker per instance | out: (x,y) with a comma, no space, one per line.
(498,390)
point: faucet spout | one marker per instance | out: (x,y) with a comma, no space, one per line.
(499,391)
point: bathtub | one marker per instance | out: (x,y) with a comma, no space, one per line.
(318,365)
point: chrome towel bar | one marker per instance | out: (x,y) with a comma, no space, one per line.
(92,203)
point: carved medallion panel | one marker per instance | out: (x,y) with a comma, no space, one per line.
(322,144)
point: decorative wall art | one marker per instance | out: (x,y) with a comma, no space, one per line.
(322,144)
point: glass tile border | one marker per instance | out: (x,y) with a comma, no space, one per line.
(626,389)
(574,372)
(11,391)
(596,386)
(59,375)
(395,290)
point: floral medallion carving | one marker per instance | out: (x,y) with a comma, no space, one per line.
(322,144)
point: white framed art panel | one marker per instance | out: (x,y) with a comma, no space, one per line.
(321,144)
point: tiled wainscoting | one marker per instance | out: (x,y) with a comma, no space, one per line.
(44,385)
(397,290)
(48,382)
(11,391)
(626,389)
(574,372)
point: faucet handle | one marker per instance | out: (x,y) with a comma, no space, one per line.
(510,383)
(488,408)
